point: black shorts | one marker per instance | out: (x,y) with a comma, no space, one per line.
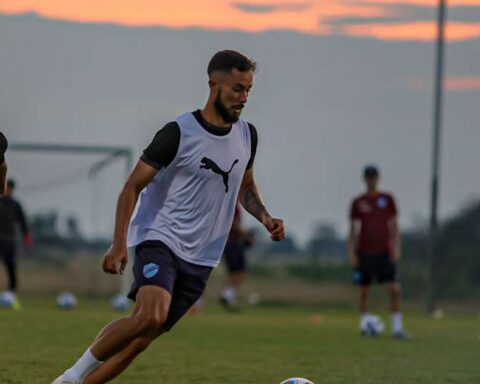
(155,264)
(375,267)
(234,256)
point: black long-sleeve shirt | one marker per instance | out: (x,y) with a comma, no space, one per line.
(11,214)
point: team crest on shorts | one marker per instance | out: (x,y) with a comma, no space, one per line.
(150,270)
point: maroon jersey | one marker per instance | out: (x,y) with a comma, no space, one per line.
(374,213)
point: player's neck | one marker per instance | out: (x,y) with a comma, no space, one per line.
(211,116)
(372,192)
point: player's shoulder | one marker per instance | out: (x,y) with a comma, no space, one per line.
(251,128)
(169,128)
(358,198)
(387,195)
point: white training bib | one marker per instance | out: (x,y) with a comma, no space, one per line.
(190,204)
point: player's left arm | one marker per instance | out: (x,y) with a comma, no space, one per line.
(395,236)
(250,198)
(3,177)
(27,237)
(3,163)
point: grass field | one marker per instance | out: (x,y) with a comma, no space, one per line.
(266,344)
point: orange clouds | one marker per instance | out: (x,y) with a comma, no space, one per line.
(211,14)
(306,16)
(452,83)
(425,31)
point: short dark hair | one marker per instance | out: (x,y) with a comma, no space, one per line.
(226,60)
(371,171)
(11,183)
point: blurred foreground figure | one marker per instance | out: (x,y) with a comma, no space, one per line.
(11,216)
(375,249)
(3,163)
(235,261)
(189,179)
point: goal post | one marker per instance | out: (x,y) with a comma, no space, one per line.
(112,153)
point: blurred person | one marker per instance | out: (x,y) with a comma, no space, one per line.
(375,249)
(3,163)
(11,215)
(188,180)
(235,261)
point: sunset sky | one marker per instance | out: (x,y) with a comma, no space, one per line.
(346,82)
(380,19)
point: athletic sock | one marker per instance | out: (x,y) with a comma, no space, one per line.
(229,294)
(397,322)
(363,320)
(86,364)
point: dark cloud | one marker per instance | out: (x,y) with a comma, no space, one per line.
(404,13)
(271,8)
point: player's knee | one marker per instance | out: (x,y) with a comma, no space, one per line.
(394,289)
(364,291)
(151,324)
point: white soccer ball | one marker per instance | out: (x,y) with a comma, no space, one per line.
(373,326)
(7,299)
(120,303)
(66,300)
(297,380)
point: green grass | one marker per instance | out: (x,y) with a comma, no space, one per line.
(262,345)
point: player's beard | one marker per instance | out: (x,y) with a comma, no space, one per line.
(221,108)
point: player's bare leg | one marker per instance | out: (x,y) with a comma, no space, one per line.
(153,303)
(119,362)
(146,322)
(118,323)
(363,307)
(228,298)
(364,293)
(237,279)
(394,293)
(396,316)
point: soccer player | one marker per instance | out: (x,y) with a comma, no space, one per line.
(11,215)
(234,257)
(3,163)
(374,248)
(188,179)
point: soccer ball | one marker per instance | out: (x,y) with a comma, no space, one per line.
(7,299)
(66,300)
(373,326)
(119,303)
(297,380)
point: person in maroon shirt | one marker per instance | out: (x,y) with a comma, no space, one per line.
(234,255)
(374,248)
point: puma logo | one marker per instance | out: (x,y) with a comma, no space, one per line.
(210,164)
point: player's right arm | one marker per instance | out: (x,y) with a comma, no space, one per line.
(353,235)
(3,177)
(160,153)
(3,163)
(116,257)
(352,244)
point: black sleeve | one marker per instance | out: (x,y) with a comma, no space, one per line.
(164,146)
(253,144)
(21,219)
(3,147)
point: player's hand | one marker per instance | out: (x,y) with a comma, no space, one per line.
(27,241)
(115,260)
(3,147)
(275,227)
